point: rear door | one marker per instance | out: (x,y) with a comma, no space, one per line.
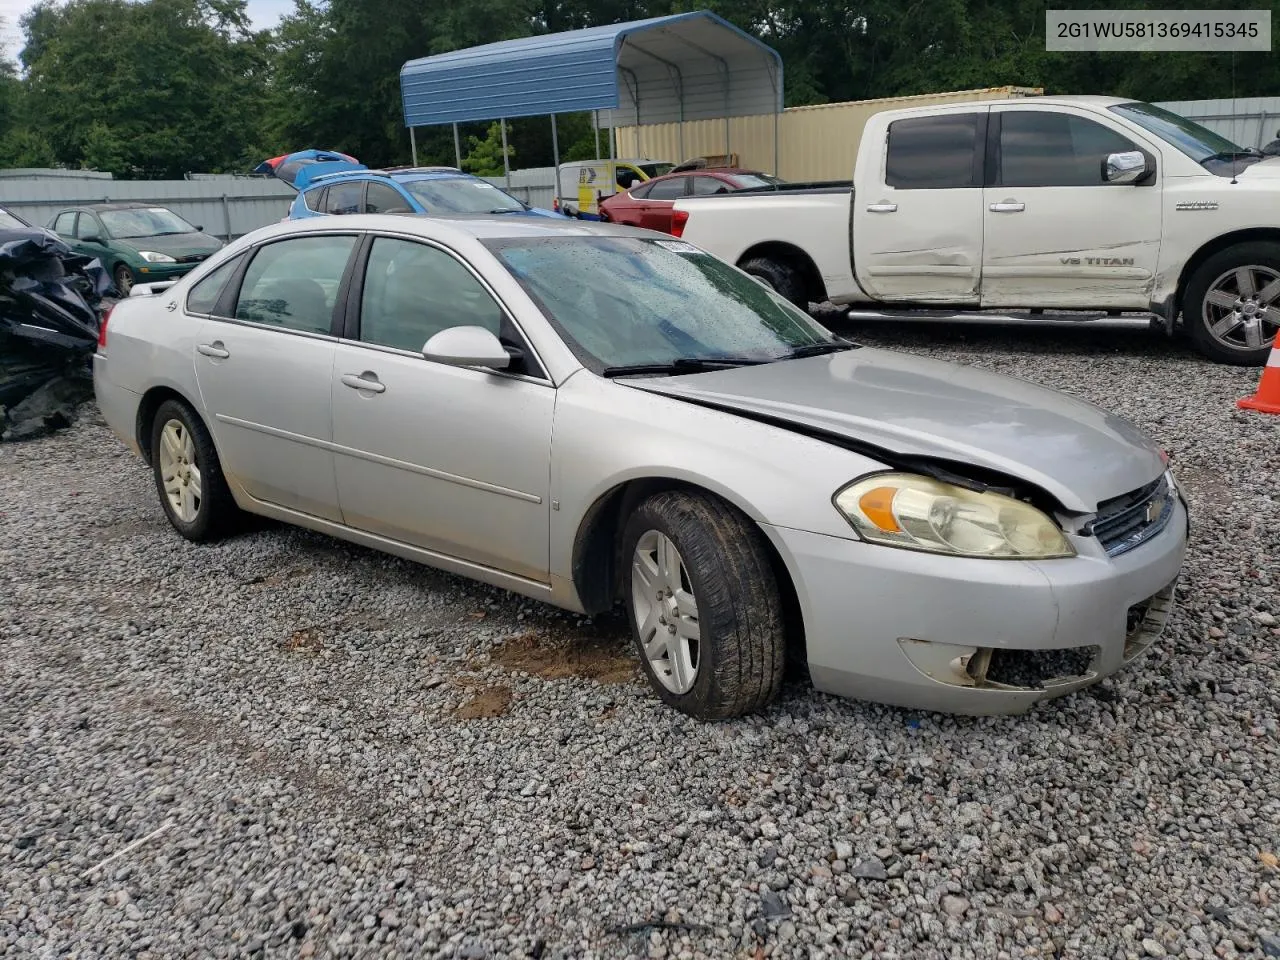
(1057,233)
(264,362)
(660,200)
(917,219)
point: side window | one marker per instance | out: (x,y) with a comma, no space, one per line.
(934,153)
(87,226)
(294,283)
(705,186)
(343,198)
(65,224)
(669,189)
(413,291)
(1042,149)
(315,199)
(641,192)
(204,294)
(384,199)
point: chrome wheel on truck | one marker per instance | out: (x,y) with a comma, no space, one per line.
(1232,305)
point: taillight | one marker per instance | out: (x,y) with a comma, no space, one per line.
(102,328)
(678,220)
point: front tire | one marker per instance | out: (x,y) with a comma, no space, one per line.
(1232,307)
(704,605)
(122,276)
(188,475)
(782,278)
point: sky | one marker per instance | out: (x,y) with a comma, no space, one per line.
(264,13)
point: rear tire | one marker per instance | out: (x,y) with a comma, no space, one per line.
(188,475)
(783,279)
(1232,296)
(708,620)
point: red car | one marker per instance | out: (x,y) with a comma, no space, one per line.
(649,204)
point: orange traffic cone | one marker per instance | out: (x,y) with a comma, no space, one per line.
(1267,399)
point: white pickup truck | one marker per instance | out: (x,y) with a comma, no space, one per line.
(1092,204)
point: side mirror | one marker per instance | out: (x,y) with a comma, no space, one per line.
(1127,167)
(199,228)
(467,347)
(91,238)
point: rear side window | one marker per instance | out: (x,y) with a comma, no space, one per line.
(315,199)
(669,189)
(1043,149)
(934,153)
(206,291)
(344,198)
(294,283)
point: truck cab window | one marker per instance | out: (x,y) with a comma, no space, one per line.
(934,153)
(1043,149)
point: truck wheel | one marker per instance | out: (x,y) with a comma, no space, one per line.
(782,278)
(1232,306)
(704,605)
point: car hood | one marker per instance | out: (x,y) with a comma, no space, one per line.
(1268,169)
(176,245)
(913,406)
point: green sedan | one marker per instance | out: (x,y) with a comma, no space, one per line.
(136,242)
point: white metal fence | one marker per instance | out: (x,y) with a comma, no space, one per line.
(1247,121)
(226,207)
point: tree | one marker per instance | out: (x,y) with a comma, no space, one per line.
(154,88)
(485,156)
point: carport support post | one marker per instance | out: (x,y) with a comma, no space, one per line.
(506,163)
(555,153)
(413,146)
(595,126)
(457,147)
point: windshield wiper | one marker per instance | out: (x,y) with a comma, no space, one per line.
(814,349)
(510,210)
(680,365)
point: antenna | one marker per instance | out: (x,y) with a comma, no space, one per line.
(1234,113)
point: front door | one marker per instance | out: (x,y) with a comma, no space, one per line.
(917,226)
(264,368)
(450,459)
(1057,233)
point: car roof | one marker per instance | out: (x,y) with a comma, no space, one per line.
(711,172)
(479,227)
(400,176)
(123,205)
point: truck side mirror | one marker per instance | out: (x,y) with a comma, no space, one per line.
(1127,167)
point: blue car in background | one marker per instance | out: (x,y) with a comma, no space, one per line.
(432,190)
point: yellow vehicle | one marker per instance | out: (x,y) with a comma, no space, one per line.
(584,183)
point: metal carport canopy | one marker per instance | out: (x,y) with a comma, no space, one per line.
(689,66)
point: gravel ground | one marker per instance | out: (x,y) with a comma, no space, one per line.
(289,747)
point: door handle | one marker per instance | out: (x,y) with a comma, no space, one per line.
(882,208)
(1007,206)
(366,381)
(215,349)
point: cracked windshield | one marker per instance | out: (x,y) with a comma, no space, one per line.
(624,301)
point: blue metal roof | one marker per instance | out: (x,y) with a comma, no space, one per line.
(689,66)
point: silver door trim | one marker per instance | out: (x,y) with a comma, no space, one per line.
(441,561)
(379,459)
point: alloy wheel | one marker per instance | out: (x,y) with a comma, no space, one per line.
(666,612)
(180,471)
(1242,307)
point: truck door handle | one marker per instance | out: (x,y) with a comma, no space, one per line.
(1007,206)
(215,349)
(882,208)
(365,381)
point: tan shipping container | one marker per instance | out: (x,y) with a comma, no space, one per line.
(814,143)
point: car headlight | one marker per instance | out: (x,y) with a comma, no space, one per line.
(152,257)
(919,513)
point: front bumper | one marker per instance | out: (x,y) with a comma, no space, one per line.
(920,630)
(156,272)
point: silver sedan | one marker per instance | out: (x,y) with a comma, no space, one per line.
(592,415)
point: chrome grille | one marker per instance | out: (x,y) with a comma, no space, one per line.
(1132,519)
